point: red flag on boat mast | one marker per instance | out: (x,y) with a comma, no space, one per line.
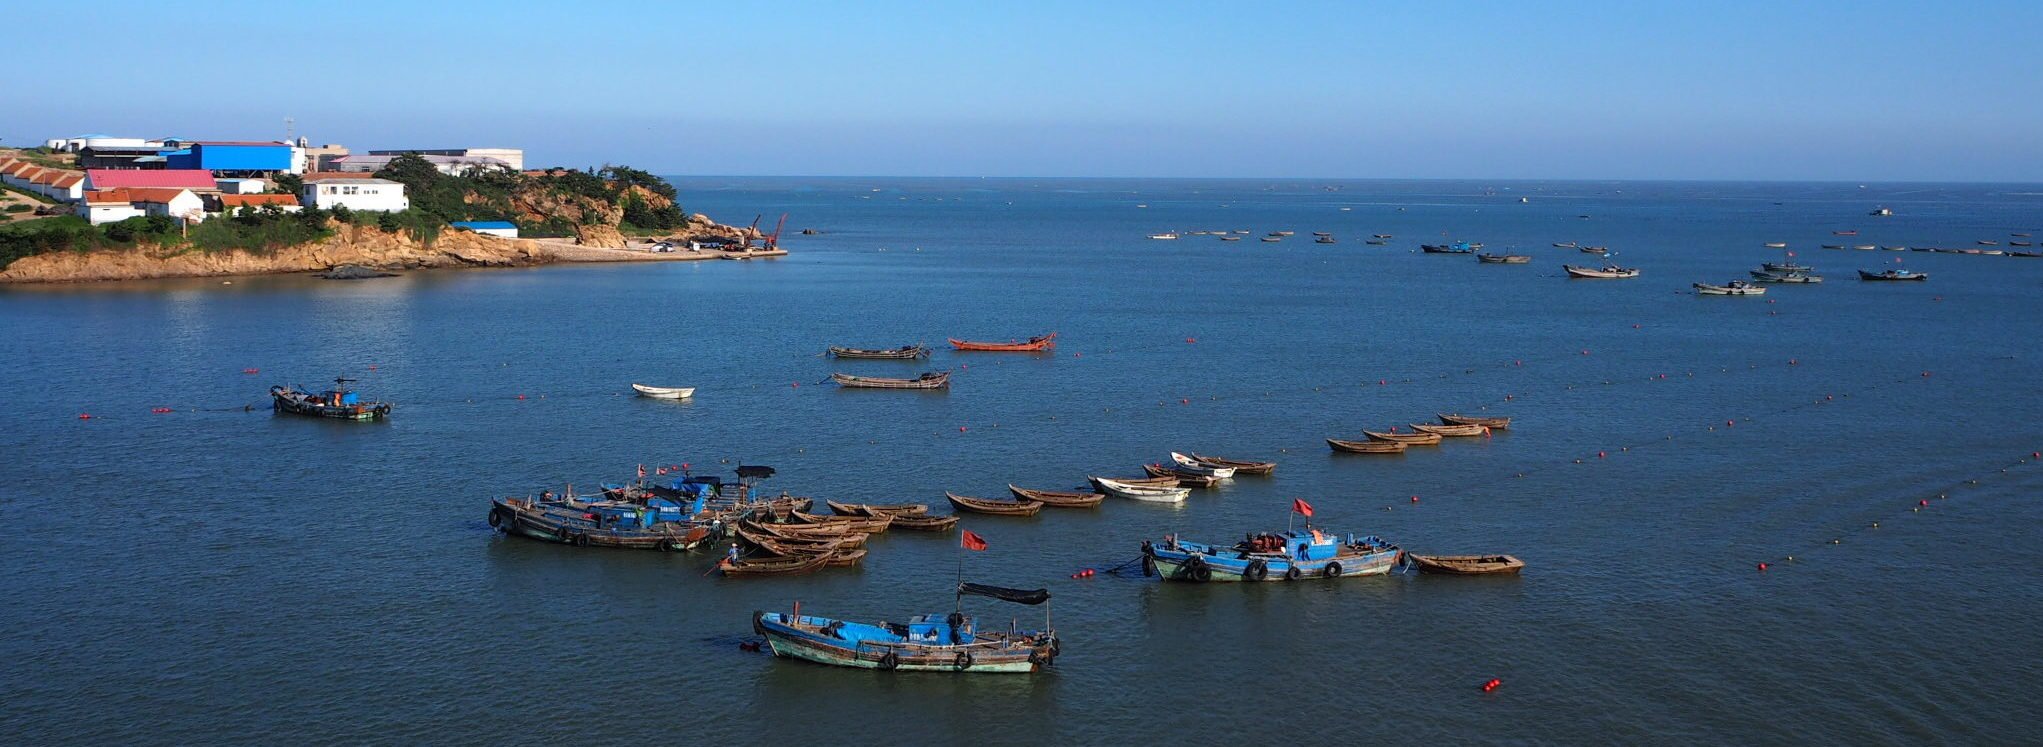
(641,470)
(972,541)
(1299,506)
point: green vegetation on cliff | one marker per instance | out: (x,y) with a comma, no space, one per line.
(558,202)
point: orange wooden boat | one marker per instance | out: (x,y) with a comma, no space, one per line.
(1042,342)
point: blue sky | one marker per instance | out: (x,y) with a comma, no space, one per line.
(1854,91)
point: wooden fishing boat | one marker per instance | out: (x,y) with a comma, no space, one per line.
(809,531)
(927,643)
(925,523)
(1789,278)
(1492,423)
(1151,481)
(337,403)
(1465,565)
(866,524)
(1325,240)
(791,565)
(1270,556)
(872,510)
(664,392)
(1143,493)
(1608,272)
(1185,480)
(1451,431)
(1058,498)
(1503,259)
(931,380)
(1785,267)
(1892,275)
(1040,342)
(1271,239)
(1020,507)
(1733,288)
(1377,242)
(1844,233)
(1776,245)
(905,352)
(1413,439)
(1459,247)
(1594,250)
(614,525)
(789,548)
(1366,447)
(845,558)
(1383,236)
(2025,254)
(1565,245)
(1188,465)
(1240,467)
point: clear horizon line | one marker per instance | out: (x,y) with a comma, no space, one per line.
(1687,180)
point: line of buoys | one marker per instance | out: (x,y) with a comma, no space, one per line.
(1492,685)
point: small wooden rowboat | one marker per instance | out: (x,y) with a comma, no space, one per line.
(869,525)
(664,392)
(1141,493)
(1185,479)
(1188,465)
(1451,431)
(777,566)
(925,523)
(931,380)
(1366,447)
(995,507)
(1240,467)
(809,532)
(1040,342)
(1503,259)
(845,558)
(1058,498)
(1891,275)
(874,510)
(905,352)
(1465,565)
(1733,288)
(1458,419)
(1140,482)
(1414,439)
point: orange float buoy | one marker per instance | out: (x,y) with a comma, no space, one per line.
(84,416)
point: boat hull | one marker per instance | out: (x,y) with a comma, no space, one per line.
(1174,565)
(791,642)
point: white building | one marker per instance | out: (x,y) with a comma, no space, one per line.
(181,204)
(249,186)
(449,165)
(514,158)
(357,193)
(109,206)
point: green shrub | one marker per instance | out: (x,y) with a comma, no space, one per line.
(19,208)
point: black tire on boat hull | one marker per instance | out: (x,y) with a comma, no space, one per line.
(890,660)
(963,661)
(1333,570)
(1293,574)
(1257,570)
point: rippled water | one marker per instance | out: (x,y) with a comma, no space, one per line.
(222,576)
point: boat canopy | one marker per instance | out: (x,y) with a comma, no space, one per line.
(1017,596)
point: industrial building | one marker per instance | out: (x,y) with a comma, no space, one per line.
(231,158)
(513,158)
(450,165)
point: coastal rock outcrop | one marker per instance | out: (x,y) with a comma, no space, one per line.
(365,246)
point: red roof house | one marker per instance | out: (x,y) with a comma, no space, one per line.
(158,178)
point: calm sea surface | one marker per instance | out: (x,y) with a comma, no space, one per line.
(230,576)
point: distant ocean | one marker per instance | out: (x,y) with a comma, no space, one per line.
(221,576)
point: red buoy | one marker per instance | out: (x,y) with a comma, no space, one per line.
(961,429)
(1191,340)
(1415,499)
(1585,352)
(1493,684)
(1925,374)
(521,396)
(1762,566)
(1599,455)
(1183,401)
(251,370)
(84,416)
(1922,503)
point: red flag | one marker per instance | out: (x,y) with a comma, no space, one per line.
(1298,505)
(641,471)
(973,541)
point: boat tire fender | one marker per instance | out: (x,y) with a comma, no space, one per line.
(890,660)
(963,660)
(1293,574)
(581,539)
(496,517)
(1148,566)
(563,534)
(1200,573)
(1333,570)
(1257,570)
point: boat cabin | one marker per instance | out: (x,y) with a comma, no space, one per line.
(934,630)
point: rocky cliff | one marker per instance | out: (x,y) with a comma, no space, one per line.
(350,245)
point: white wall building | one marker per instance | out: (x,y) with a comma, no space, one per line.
(381,195)
(514,158)
(181,204)
(111,206)
(242,186)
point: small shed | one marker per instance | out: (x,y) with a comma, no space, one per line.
(499,228)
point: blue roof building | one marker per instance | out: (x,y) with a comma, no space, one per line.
(232,157)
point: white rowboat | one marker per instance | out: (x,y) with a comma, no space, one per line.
(664,392)
(1196,467)
(1139,493)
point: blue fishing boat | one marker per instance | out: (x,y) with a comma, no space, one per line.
(338,402)
(927,643)
(668,519)
(1459,247)
(1270,556)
